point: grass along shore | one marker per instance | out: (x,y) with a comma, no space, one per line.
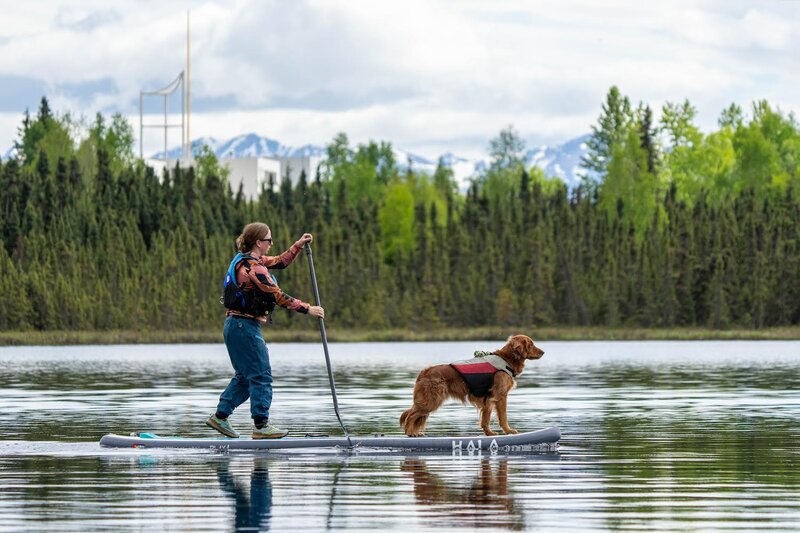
(499,333)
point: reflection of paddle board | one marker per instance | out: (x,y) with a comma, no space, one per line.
(532,440)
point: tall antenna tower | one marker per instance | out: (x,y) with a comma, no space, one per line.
(164,93)
(182,83)
(188,152)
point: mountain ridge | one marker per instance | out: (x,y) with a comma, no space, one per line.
(560,160)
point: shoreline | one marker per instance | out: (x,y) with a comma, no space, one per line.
(499,333)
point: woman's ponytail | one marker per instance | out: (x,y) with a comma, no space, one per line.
(250,234)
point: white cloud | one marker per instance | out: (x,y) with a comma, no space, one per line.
(429,76)
(768,31)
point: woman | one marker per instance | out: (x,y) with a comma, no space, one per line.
(251,293)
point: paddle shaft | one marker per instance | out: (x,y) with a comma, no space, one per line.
(325,341)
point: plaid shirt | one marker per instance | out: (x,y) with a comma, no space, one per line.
(259,278)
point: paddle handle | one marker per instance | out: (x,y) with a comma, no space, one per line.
(325,340)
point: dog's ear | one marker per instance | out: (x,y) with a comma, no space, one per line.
(529,346)
(511,343)
(522,345)
(517,344)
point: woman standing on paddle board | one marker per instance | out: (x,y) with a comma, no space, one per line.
(251,294)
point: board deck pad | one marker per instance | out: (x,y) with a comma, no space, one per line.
(529,441)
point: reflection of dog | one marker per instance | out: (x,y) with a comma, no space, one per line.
(437,383)
(486,496)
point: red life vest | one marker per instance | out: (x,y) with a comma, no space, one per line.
(478,372)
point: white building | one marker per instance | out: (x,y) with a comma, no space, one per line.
(296,165)
(252,172)
(255,172)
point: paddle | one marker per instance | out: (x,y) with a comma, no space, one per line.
(325,341)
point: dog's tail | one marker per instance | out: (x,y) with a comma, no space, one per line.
(404,418)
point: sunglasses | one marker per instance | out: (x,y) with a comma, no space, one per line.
(268,239)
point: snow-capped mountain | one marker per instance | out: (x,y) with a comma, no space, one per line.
(248,145)
(562,161)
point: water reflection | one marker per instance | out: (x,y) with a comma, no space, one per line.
(258,492)
(253,505)
(484,500)
(657,436)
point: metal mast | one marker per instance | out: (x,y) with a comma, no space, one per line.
(164,93)
(182,82)
(188,87)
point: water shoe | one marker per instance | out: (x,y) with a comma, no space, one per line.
(269,432)
(223,426)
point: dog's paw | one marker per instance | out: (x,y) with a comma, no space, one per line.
(511,431)
(489,432)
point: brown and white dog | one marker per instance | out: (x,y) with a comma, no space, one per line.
(437,383)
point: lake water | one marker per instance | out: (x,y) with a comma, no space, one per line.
(656,436)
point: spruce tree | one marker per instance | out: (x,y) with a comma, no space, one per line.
(612,126)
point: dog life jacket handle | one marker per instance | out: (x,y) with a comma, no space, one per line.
(325,342)
(508,370)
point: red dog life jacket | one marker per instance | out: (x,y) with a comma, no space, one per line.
(478,372)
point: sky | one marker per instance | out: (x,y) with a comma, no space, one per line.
(429,76)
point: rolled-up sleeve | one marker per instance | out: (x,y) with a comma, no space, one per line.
(283,260)
(260,277)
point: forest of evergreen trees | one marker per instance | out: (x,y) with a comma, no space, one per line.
(680,228)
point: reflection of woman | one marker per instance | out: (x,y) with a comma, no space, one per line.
(250,300)
(253,513)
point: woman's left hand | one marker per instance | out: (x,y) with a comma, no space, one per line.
(306,238)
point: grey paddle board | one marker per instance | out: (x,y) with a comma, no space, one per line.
(530,440)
